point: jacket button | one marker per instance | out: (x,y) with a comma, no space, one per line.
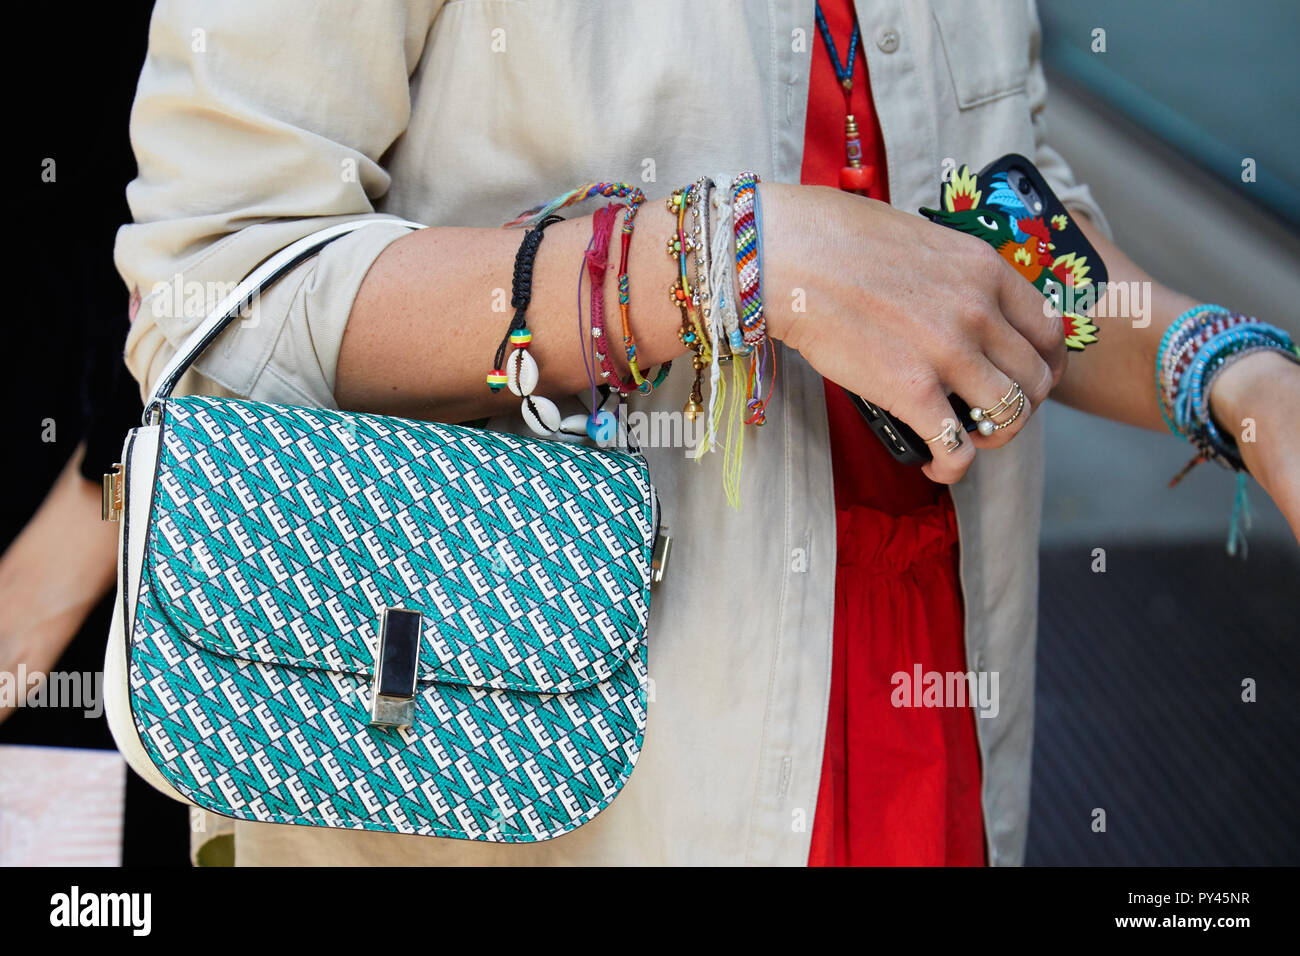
(887,40)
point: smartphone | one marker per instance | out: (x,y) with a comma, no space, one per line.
(1009,205)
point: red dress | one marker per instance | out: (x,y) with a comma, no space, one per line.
(899,785)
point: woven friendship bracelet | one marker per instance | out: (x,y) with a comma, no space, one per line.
(602,229)
(753,328)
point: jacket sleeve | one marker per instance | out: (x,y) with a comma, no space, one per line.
(255,124)
(1073,194)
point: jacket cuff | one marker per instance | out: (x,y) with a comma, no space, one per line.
(285,349)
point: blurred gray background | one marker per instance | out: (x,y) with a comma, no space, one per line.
(1141,669)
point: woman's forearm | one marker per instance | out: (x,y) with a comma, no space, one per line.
(1115,376)
(428,316)
(892,307)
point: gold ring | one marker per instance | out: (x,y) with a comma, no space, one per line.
(1020,407)
(984,417)
(951,437)
(988,426)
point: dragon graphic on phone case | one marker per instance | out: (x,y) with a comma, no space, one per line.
(1023,239)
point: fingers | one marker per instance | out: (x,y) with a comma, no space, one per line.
(1013,354)
(1016,361)
(929,413)
(1000,405)
(1034,318)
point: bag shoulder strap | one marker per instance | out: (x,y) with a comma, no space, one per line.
(282,262)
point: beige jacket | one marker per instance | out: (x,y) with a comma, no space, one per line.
(257,123)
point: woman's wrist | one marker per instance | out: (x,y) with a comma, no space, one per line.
(807,241)
(1246,388)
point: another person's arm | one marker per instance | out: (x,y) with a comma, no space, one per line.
(53,574)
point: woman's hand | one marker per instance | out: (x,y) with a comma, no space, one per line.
(1257,401)
(904,312)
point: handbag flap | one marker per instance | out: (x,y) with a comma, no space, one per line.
(280,534)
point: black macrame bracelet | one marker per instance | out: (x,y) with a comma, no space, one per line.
(522,286)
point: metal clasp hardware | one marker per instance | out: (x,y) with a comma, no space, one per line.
(110,504)
(393,693)
(659,557)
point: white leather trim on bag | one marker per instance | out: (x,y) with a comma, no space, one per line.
(140,457)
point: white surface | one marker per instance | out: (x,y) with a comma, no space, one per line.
(61,807)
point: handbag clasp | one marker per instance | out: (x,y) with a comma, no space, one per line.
(393,693)
(659,557)
(110,505)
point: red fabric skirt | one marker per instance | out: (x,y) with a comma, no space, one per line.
(900,785)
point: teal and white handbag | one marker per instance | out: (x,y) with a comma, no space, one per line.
(346,620)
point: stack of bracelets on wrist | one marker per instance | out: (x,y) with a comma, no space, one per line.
(1195,350)
(720,296)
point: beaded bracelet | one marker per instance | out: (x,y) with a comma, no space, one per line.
(700,190)
(634,199)
(1192,411)
(1194,351)
(1184,342)
(1197,321)
(1186,346)
(692,333)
